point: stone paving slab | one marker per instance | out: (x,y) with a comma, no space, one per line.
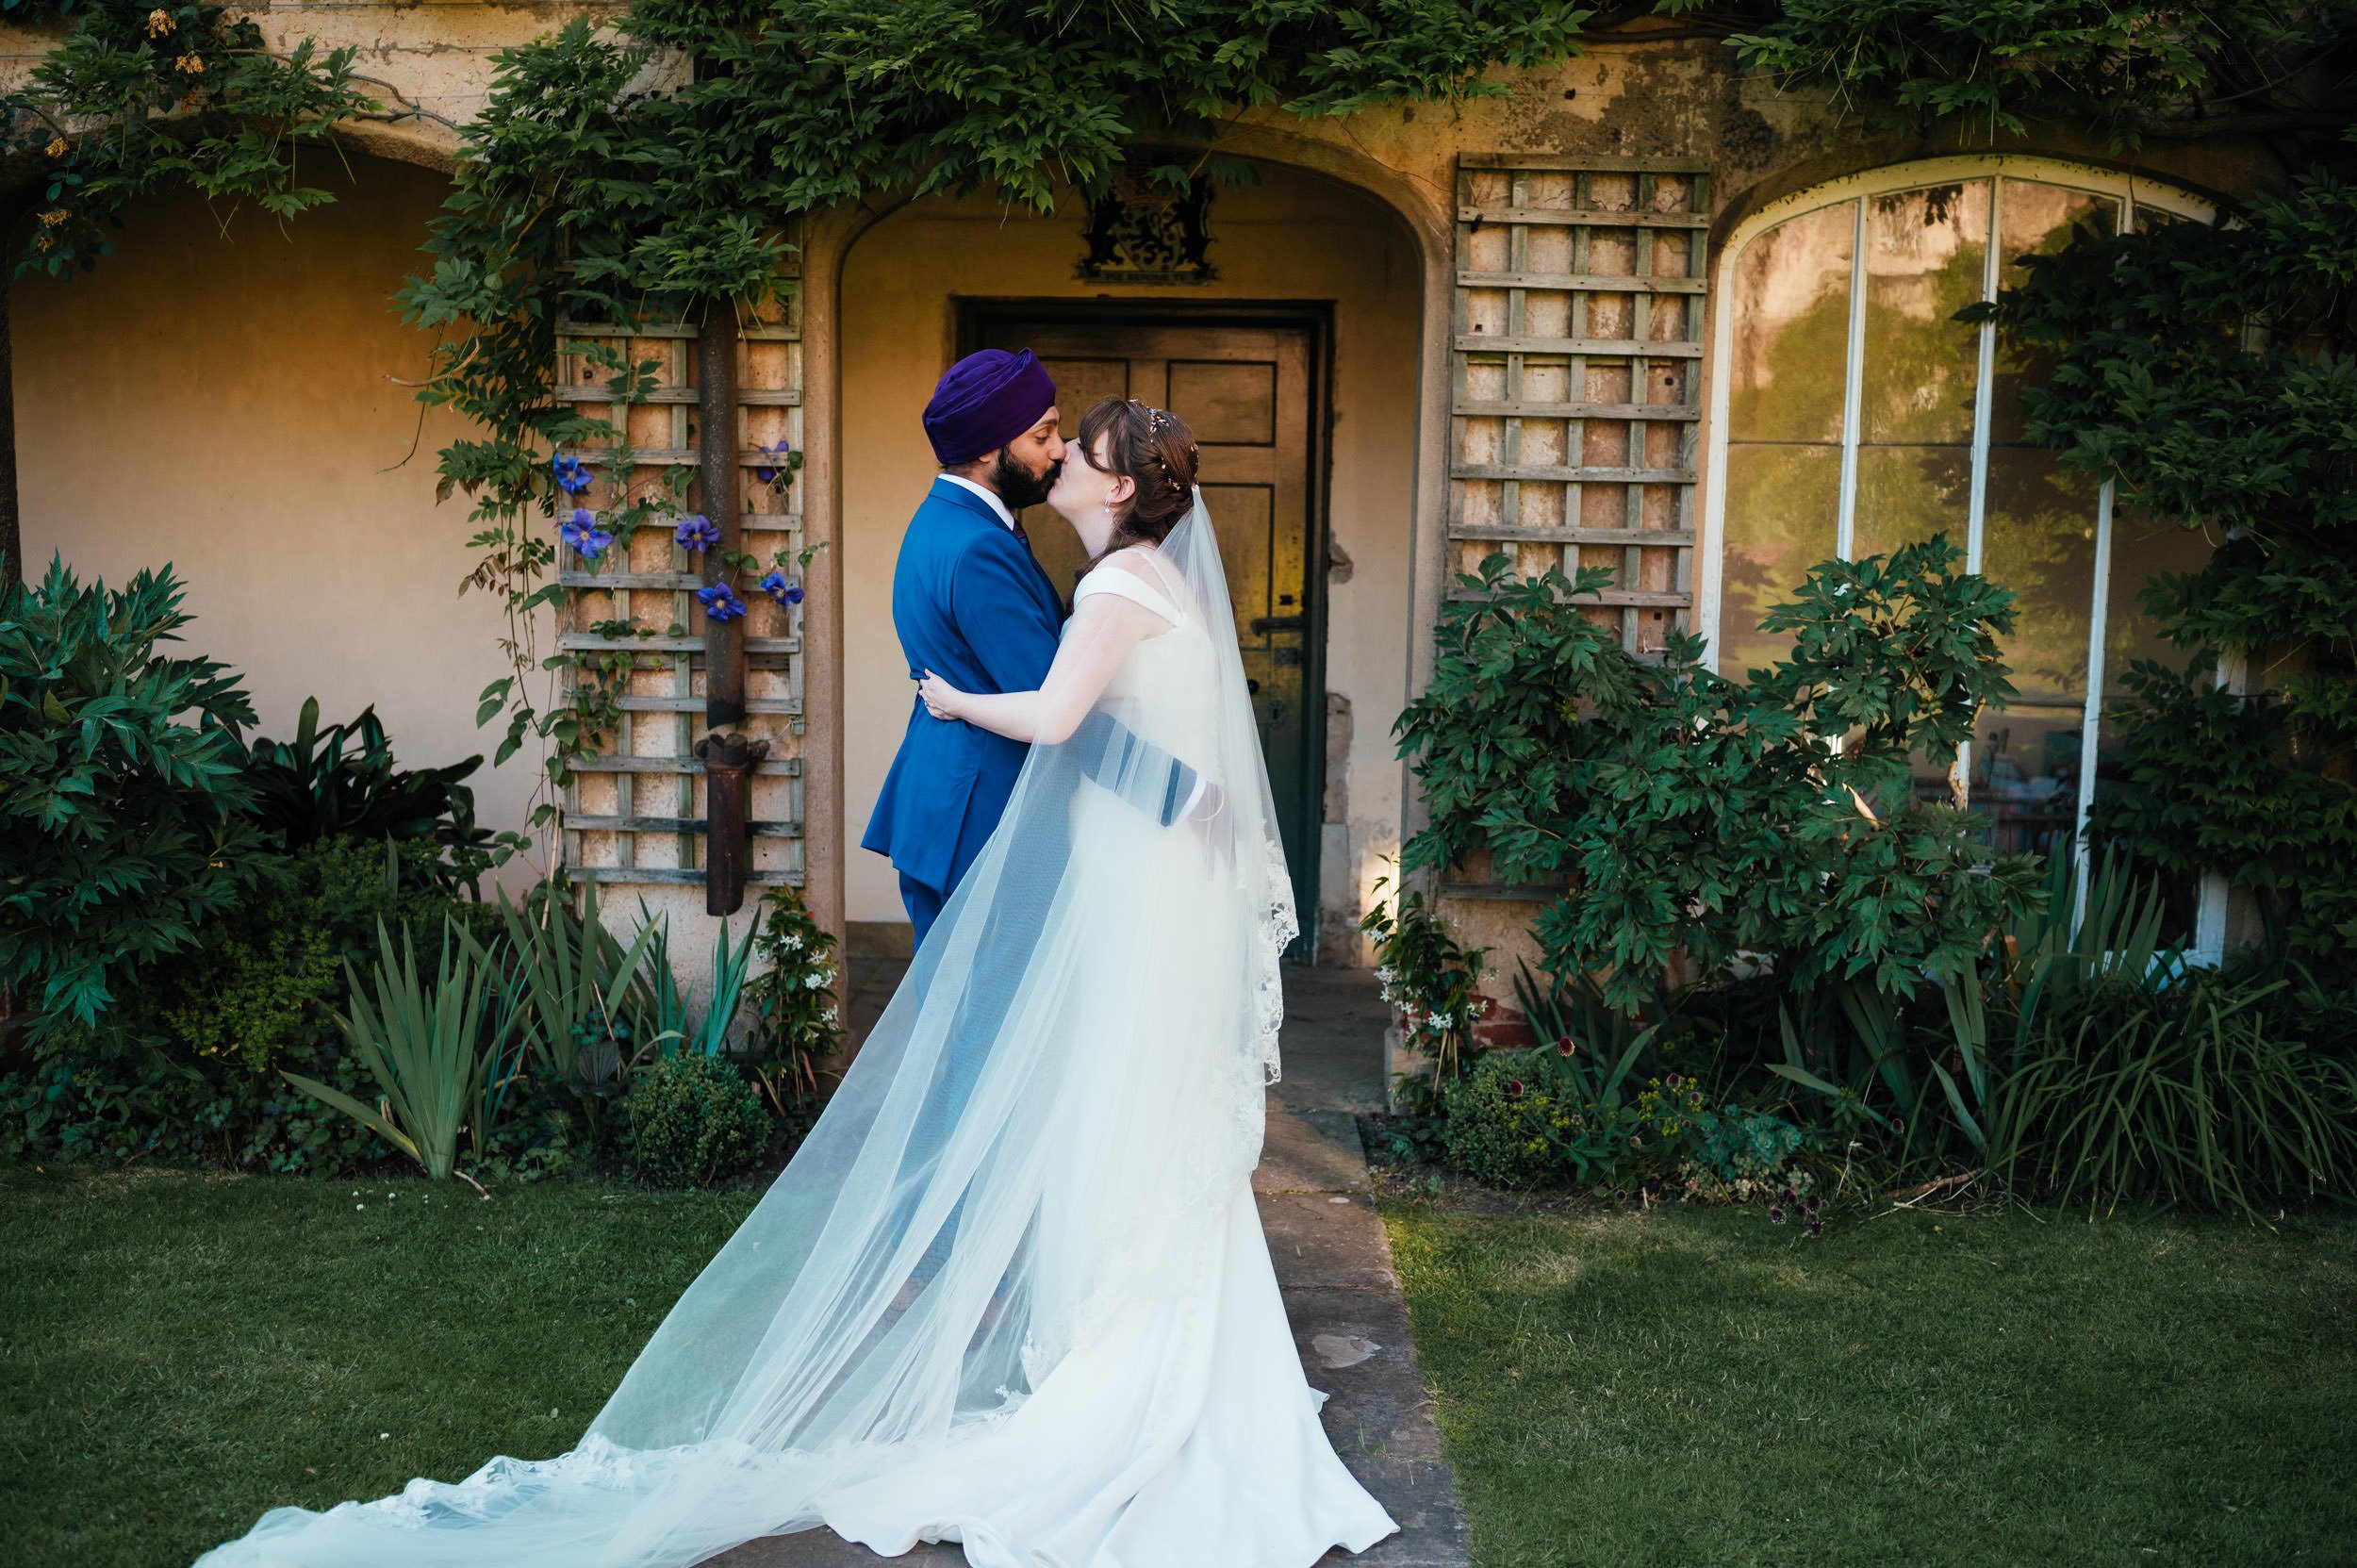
(1333,1263)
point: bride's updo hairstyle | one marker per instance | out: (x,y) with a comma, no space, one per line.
(1155,451)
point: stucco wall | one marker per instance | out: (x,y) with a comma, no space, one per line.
(1292,237)
(223,405)
(243,431)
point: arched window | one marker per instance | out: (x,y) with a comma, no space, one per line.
(1847,417)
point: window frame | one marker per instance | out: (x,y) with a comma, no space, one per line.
(2131,191)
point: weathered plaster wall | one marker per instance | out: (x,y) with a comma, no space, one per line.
(1292,237)
(250,424)
(225,406)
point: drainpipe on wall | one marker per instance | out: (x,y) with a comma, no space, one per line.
(728,759)
(729,762)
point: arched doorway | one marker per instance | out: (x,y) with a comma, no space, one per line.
(1318,303)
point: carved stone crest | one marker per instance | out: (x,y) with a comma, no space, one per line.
(1142,232)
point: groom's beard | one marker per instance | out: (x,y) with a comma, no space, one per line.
(1018,485)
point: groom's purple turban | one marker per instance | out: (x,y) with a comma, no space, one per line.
(985,401)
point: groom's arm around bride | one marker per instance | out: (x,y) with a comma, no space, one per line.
(971,603)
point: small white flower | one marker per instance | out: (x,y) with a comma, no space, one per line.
(791,941)
(359,1205)
(830,1012)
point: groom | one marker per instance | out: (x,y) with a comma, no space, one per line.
(972,604)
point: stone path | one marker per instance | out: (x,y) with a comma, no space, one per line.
(1333,1262)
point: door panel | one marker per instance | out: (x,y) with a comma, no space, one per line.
(1247,392)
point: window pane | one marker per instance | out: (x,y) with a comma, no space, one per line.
(2141,550)
(1927,257)
(2025,775)
(2150,218)
(2039,541)
(2035,218)
(1781,506)
(1905,493)
(1791,329)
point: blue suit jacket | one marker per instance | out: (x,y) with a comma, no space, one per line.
(973,605)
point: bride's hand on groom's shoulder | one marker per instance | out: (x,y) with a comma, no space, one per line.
(941,699)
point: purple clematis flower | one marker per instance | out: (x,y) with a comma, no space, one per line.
(784,589)
(770,475)
(696,532)
(720,602)
(583,532)
(573,475)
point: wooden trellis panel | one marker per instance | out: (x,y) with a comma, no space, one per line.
(636,811)
(1575,376)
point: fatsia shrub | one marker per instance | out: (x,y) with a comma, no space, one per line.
(122,807)
(1683,812)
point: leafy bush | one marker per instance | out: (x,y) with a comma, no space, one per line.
(185,1066)
(310,788)
(270,977)
(1519,1118)
(1429,980)
(2210,370)
(797,1022)
(2193,1093)
(1499,1117)
(425,1043)
(694,1120)
(1688,814)
(123,808)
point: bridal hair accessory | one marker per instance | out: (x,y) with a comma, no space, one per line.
(1157,422)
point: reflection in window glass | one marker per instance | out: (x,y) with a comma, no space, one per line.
(1793,330)
(2141,550)
(2025,775)
(1926,259)
(2039,539)
(1909,493)
(1915,372)
(1784,525)
(2033,219)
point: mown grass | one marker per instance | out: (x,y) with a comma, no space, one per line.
(179,1352)
(1694,1387)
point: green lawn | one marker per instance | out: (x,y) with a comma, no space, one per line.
(179,1352)
(1695,1388)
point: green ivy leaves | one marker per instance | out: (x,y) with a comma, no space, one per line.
(1689,815)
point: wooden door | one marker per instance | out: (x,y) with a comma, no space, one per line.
(1248,388)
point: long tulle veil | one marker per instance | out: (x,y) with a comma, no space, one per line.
(1047,1123)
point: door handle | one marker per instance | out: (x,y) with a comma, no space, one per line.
(1280,623)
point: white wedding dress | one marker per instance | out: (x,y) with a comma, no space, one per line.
(1012,1291)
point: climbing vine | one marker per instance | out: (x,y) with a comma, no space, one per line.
(650,167)
(2137,72)
(133,98)
(2211,373)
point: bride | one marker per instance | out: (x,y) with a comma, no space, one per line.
(1012,1289)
